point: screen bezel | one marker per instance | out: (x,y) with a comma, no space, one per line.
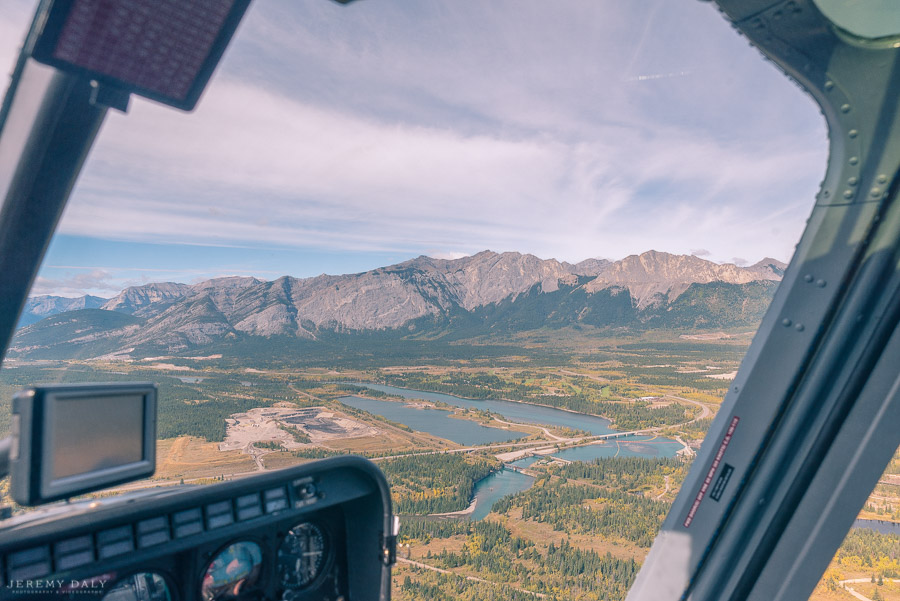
(33,482)
(76,483)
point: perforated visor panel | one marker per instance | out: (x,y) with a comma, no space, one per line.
(162,49)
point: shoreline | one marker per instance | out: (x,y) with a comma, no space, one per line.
(462,512)
(611,422)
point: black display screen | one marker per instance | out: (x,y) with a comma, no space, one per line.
(79,448)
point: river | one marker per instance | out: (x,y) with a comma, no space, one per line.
(498,485)
(881,526)
(506,482)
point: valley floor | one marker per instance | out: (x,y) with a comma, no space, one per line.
(579,530)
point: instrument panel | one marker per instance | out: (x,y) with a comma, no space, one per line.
(288,535)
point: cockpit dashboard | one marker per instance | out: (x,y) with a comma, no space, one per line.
(315,532)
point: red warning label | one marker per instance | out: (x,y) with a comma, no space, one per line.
(712,471)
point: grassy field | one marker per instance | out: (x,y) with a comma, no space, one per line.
(190,457)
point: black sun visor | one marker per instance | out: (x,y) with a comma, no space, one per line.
(165,50)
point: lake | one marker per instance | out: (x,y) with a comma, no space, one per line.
(631,446)
(517,412)
(434,421)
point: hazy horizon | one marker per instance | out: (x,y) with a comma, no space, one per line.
(229,275)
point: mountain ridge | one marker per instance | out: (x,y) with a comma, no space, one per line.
(503,290)
(40,307)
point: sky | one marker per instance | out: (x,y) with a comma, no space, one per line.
(337,139)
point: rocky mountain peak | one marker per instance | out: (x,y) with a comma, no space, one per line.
(769,268)
(656,277)
(180,316)
(133,299)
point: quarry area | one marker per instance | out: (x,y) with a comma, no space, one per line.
(268,424)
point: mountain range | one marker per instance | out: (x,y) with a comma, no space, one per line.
(424,297)
(39,307)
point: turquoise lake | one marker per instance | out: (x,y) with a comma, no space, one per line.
(631,446)
(434,421)
(516,412)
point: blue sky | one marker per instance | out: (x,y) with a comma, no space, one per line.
(337,139)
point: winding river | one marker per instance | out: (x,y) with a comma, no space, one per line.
(506,481)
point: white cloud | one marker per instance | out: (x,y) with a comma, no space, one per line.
(97,281)
(602,129)
(323,178)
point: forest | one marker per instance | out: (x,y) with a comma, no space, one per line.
(423,484)
(585,509)
(559,571)
(868,550)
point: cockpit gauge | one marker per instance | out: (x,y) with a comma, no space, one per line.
(145,586)
(233,573)
(301,557)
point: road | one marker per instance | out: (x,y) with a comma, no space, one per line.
(547,433)
(599,379)
(857,594)
(425,566)
(705,411)
(663,493)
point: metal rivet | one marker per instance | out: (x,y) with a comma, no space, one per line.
(875,192)
(848,194)
(736,388)
(852,133)
(882,179)
(845,108)
(807,278)
(829,85)
(786,322)
(799,327)
(852,181)
(854,160)
(820,283)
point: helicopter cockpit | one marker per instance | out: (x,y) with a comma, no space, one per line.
(807,426)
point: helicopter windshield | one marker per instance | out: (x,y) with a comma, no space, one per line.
(512,253)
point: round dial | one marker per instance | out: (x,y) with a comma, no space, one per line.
(233,572)
(145,586)
(301,556)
